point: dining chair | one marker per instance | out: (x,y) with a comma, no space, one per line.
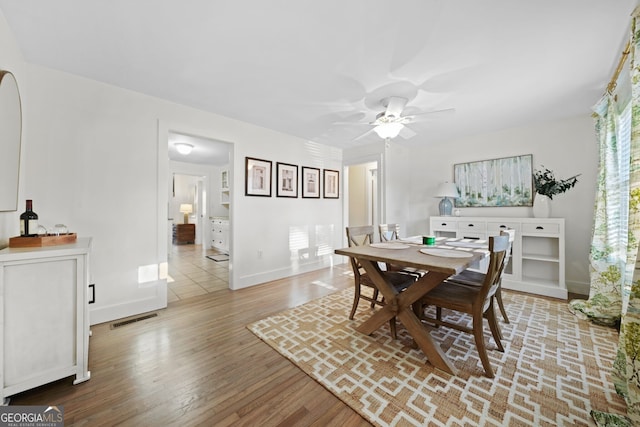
(476,278)
(473,300)
(363,235)
(390,232)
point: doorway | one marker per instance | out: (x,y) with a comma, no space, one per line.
(363,195)
(196,180)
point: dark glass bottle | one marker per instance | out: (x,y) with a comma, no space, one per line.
(29,221)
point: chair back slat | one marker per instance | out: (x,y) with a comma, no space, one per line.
(511,233)
(389,232)
(498,246)
(360,235)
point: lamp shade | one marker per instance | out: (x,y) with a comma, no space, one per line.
(183,148)
(186,209)
(388,130)
(447,189)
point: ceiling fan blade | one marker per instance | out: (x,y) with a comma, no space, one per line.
(407,133)
(352,123)
(367,133)
(430,114)
(395,105)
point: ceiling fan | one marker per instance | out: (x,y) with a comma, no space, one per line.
(390,123)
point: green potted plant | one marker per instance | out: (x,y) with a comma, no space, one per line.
(547,186)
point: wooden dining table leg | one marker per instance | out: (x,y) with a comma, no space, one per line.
(400,306)
(388,311)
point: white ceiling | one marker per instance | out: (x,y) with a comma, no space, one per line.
(317,69)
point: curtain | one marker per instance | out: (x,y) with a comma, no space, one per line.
(608,255)
(614,297)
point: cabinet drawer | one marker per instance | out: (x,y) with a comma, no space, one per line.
(542,228)
(502,225)
(478,226)
(441,225)
(463,234)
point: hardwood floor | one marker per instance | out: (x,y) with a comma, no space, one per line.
(197,364)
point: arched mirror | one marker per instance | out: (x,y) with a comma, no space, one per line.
(10,137)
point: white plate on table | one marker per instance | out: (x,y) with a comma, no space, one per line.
(389,245)
(447,253)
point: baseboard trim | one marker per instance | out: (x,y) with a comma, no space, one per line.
(133,308)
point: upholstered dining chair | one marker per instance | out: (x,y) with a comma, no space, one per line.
(473,300)
(363,235)
(476,278)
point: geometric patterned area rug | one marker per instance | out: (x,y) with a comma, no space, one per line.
(554,371)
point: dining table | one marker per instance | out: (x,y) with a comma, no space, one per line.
(449,256)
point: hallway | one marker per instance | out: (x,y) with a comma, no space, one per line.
(192,274)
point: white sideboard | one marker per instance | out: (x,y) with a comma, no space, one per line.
(537,262)
(220,234)
(44,335)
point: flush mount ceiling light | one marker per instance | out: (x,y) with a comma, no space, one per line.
(183,148)
(388,130)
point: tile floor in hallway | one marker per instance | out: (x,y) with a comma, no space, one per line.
(192,274)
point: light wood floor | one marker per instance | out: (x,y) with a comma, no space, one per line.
(197,364)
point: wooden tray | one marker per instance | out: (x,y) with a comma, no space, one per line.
(38,241)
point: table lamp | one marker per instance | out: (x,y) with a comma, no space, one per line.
(446,190)
(186,209)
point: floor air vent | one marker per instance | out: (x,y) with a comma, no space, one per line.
(133,320)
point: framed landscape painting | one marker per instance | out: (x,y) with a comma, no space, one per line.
(503,182)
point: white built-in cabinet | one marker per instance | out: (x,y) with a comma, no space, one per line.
(537,263)
(220,234)
(224,187)
(220,224)
(44,334)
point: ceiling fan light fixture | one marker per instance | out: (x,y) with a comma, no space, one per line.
(388,130)
(183,148)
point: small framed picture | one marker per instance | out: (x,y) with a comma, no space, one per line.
(286,180)
(331,184)
(310,182)
(257,177)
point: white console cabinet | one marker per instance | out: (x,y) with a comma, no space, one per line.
(537,262)
(44,330)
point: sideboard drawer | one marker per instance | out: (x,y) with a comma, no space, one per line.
(542,228)
(503,225)
(442,225)
(478,226)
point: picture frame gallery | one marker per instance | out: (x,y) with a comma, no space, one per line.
(291,181)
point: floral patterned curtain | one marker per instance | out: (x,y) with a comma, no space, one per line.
(615,289)
(609,240)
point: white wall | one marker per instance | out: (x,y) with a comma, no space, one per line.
(11,59)
(93,158)
(567,147)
